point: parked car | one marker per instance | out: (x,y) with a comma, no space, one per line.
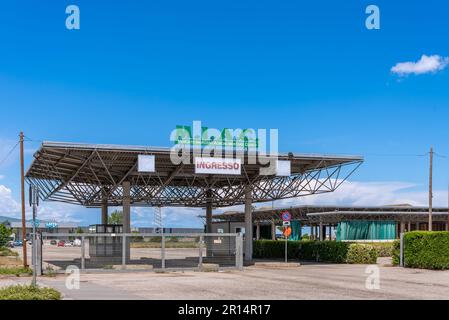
(61,243)
(53,242)
(18,243)
(77,243)
(69,244)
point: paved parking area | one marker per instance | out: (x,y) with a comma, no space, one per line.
(310,281)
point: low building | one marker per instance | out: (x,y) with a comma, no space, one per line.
(44,226)
(337,223)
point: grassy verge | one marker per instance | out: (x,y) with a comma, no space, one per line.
(17,271)
(29,293)
(6,252)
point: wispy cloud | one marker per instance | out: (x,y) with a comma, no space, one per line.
(353,193)
(427,64)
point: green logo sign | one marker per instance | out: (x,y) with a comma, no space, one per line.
(197,136)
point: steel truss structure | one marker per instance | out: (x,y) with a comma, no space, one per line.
(93,175)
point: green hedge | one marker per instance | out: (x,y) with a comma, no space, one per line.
(426,250)
(320,251)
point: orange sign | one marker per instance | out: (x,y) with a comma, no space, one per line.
(287,232)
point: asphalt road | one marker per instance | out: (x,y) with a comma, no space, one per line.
(310,281)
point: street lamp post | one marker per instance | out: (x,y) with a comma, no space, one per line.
(34,202)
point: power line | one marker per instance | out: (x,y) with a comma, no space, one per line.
(9,153)
(395,155)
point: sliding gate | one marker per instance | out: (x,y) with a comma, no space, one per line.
(141,252)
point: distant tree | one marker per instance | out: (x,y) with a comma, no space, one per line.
(79,230)
(5,234)
(116,217)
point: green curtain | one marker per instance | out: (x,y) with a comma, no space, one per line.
(366,230)
(296,231)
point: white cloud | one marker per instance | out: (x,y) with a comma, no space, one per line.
(427,64)
(8,206)
(352,193)
(372,194)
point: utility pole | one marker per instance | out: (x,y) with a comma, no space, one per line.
(22,181)
(431,190)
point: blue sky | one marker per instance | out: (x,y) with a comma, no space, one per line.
(136,69)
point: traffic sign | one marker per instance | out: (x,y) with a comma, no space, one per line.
(287,232)
(286,223)
(286,216)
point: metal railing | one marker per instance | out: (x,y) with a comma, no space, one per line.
(141,252)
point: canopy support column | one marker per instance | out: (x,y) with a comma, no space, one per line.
(127,214)
(209,210)
(258,231)
(321,231)
(248,224)
(273,230)
(104,209)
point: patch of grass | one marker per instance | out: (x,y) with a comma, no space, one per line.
(29,293)
(6,252)
(50,272)
(108,267)
(17,271)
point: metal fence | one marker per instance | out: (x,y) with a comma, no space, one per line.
(140,252)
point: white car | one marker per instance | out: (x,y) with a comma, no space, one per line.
(68,244)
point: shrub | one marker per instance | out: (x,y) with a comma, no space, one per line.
(426,250)
(396,252)
(384,249)
(29,293)
(362,254)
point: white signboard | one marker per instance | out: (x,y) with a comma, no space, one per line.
(218,166)
(146,163)
(283,168)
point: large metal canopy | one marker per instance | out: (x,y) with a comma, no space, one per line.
(91,175)
(335,214)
